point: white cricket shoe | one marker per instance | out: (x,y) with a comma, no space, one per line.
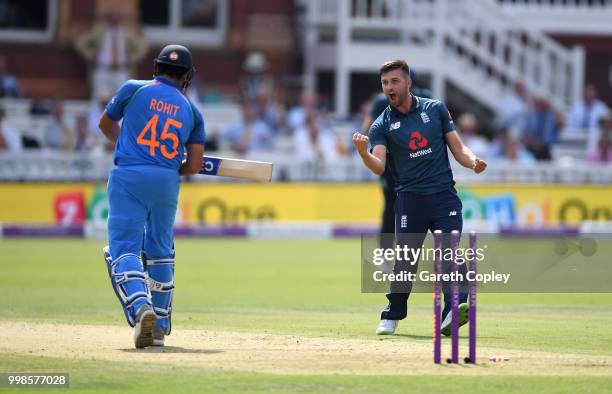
(143,330)
(387,327)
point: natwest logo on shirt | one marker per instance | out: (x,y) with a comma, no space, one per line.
(417,141)
(418,145)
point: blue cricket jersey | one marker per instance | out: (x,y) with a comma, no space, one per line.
(158,121)
(416,146)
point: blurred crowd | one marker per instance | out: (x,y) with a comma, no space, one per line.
(111,48)
(526,128)
(48,127)
(262,123)
(266,121)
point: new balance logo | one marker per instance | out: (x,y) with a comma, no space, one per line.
(452,213)
(394,126)
(424,117)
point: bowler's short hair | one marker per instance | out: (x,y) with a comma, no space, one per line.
(395,65)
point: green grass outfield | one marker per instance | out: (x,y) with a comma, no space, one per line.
(287,291)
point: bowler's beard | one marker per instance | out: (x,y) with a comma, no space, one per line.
(400,98)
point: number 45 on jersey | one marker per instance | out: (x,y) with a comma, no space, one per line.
(153,143)
(218,166)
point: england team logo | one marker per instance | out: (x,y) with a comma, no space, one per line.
(424,117)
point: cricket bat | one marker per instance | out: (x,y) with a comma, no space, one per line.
(234,168)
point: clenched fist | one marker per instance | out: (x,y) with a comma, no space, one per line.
(361,143)
(479,165)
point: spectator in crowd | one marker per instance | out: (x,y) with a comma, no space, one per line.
(468,126)
(112,47)
(508,146)
(584,116)
(84,140)
(603,151)
(250,134)
(315,143)
(512,110)
(3,143)
(296,118)
(256,78)
(10,139)
(419,89)
(96,109)
(540,130)
(259,89)
(9,85)
(58,134)
(266,109)
(195,93)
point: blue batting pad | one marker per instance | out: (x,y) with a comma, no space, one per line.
(161,284)
(128,280)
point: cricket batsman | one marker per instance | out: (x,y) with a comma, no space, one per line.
(413,133)
(160,125)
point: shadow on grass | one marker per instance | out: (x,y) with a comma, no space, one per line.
(444,337)
(411,336)
(172,349)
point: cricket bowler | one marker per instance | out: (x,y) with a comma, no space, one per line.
(415,132)
(387,181)
(160,125)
